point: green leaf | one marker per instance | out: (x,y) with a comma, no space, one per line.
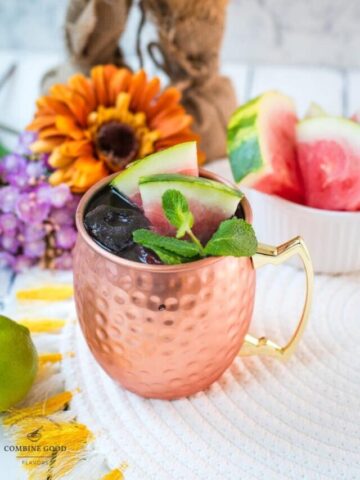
(167,257)
(234,237)
(153,240)
(176,209)
(3,151)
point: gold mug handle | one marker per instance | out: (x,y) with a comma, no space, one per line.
(266,255)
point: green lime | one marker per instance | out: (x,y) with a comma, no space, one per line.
(18,362)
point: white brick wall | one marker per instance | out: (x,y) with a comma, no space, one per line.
(272,31)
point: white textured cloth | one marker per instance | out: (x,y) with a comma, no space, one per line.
(264,419)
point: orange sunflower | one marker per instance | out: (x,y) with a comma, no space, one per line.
(94,126)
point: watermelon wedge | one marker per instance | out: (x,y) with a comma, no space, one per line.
(329,161)
(210,202)
(261,145)
(181,158)
(315,110)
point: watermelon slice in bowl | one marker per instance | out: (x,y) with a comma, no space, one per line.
(261,146)
(181,158)
(319,174)
(210,202)
(329,160)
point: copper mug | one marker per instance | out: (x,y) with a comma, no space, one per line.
(168,331)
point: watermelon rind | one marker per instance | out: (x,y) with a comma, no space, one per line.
(330,128)
(247,146)
(315,110)
(208,191)
(210,202)
(179,158)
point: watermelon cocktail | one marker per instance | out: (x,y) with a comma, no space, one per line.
(164,275)
(161,211)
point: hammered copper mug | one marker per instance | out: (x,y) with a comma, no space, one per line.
(167,331)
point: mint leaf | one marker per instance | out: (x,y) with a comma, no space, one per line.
(176,209)
(152,240)
(167,257)
(234,237)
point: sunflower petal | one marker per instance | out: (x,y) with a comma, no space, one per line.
(171,96)
(169,112)
(45,146)
(74,101)
(59,176)
(58,160)
(50,105)
(151,90)
(49,132)
(119,82)
(86,171)
(83,87)
(67,126)
(75,148)
(109,72)
(98,81)
(41,121)
(173,125)
(136,89)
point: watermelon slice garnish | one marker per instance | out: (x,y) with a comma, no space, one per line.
(261,146)
(329,160)
(181,158)
(210,202)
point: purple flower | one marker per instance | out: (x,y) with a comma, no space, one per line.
(35,169)
(14,170)
(72,204)
(21,263)
(61,216)
(8,198)
(25,139)
(35,249)
(29,209)
(66,237)
(33,232)
(33,214)
(63,261)
(44,193)
(60,195)
(6,260)
(8,223)
(14,162)
(10,243)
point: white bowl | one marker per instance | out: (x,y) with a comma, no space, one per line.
(333,238)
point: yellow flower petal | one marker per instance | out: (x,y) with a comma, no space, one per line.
(45,146)
(42,325)
(58,160)
(49,293)
(49,358)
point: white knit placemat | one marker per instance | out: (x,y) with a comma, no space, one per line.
(264,419)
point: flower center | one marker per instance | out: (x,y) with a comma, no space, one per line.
(117,144)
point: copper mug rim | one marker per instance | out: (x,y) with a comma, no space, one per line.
(79,218)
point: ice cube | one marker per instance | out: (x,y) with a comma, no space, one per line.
(113,227)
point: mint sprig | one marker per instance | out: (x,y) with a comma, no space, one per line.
(234,237)
(150,239)
(176,209)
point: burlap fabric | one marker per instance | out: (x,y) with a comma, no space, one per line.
(190,34)
(92,32)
